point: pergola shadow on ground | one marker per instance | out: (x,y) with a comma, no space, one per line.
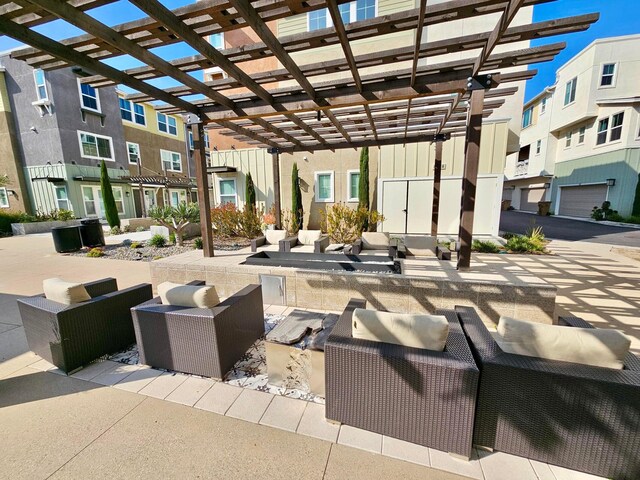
(412,101)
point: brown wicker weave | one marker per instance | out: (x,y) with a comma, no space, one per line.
(577,416)
(200,341)
(71,336)
(417,395)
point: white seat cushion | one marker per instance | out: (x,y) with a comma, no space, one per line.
(274,236)
(269,248)
(420,245)
(303,249)
(420,331)
(588,346)
(375,240)
(308,237)
(67,293)
(196,296)
(379,253)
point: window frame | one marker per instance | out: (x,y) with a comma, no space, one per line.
(96,135)
(235,189)
(82,105)
(582,133)
(190,140)
(167,123)
(133,113)
(613,75)
(530,117)
(538,146)
(571,92)
(58,188)
(316,196)
(543,105)
(129,153)
(353,15)
(608,131)
(568,139)
(4,201)
(222,38)
(44,85)
(613,127)
(171,152)
(350,174)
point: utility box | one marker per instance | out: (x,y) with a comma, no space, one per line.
(274,289)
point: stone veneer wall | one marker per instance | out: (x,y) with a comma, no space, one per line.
(397,293)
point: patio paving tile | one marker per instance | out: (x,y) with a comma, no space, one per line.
(190,391)
(409,452)
(163,385)
(17,363)
(138,379)
(314,424)
(250,405)
(13,343)
(219,398)
(5,327)
(93,370)
(543,471)
(444,461)
(503,466)
(115,374)
(358,438)
(42,366)
(566,474)
(284,413)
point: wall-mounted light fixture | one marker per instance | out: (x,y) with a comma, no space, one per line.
(127,194)
(611,182)
(547,185)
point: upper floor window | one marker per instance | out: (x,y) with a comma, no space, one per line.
(349,12)
(570,91)
(133,151)
(206,141)
(615,133)
(543,105)
(567,139)
(608,75)
(171,161)
(365,9)
(89,97)
(317,19)
(527,117)
(41,84)
(538,147)
(4,198)
(167,124)
(191,147)
(217,40)
(132,112)
(95,146)
(581,134)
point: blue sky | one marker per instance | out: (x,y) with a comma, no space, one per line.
(617,17)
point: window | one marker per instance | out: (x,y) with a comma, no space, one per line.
(527,117)
(538,147)
(581,134)
(570,91)
(62,198)
(355,11)
(543,105)
(228,193)
(117,196)
(206,141)
(603,126)
(133,150)
(616,128)
(324,186)
(132,112)
(191,140)
(95,146)
(217,40)
(167,124)
(174,198)
(41,84)
(353,184)
(4,198)
(567,139)
(365,9)
(89,97)
(317,20)
(171,161)
(608,74)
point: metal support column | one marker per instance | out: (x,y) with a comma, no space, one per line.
(200,159)
(275,156)
(470,178)
(437,174)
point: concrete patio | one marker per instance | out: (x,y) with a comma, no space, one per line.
(127,421)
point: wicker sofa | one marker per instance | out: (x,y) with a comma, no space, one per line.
(306,242)
(577,416)
(200,341)
(375,243)
(421,396)
(71,336)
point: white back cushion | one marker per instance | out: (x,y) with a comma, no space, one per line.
(375,240)
(419,331)
(68,293)
(308,237)
(588,346)
(195,296)
(274,236)
(420,245)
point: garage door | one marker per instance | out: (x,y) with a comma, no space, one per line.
(529,198)
(579,201)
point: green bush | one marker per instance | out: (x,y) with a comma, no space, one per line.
(95,252)
(197,243)
(605,212)
(61,215)
(172,238)
(508,235)
(140,229)
(485,246)
(176,218)
(524,244)
(115,231)
(9,217)
(632,219)
(229,221)
(616,217)
(345,224)
(136,245)
(158,241)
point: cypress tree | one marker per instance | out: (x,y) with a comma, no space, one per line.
(296,196)
(110,209)
(250,192)
(363,185)
(636,201)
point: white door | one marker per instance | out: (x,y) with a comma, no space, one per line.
(93,204)
(419,206)
(394,206)
(149,198)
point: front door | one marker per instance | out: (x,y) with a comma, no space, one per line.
(406,206)
(92,198)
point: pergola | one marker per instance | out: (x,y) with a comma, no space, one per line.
(415,98)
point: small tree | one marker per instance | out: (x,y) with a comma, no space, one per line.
(363,185)
(296,196)
(176,218)
(250,192)
(110,209)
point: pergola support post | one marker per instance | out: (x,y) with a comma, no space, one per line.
(202,178)
(437,175)
(275,157)
(470,178)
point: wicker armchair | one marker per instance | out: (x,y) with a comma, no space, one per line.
(577,416)
(200,341)
(417,395)
(293,244)
(71,336)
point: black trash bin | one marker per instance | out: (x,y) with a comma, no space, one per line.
(66,239)
(91,232)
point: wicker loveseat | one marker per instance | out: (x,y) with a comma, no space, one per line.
(577,416)
(200,341)
(71,336)
(421,396)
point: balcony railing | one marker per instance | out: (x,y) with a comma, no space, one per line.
(522,168)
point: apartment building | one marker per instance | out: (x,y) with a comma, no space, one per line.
(580,142)
(401,177)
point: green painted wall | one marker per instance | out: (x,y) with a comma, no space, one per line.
(622,165)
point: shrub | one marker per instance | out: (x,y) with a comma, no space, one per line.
(290,222)
(126,229)
(158,240)
(197,243)
(172,238)
(115,231)
(177,218)
(229,221)
(605,212)
(345,224)
(140,229)
(136,245)
(249,222)
(61,215)
(508,235)
(632,219)
(524,244)
(95,252)
(485,246)
(9,217)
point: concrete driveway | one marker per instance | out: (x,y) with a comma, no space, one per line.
(573,230)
